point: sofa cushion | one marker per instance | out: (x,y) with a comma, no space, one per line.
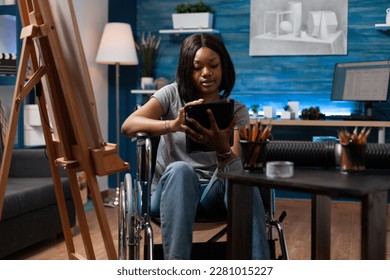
(32,227)
(28,163)
(28,194)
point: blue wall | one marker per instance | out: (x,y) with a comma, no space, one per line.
(260,80)
(275,80)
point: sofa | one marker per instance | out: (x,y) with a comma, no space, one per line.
(30,212)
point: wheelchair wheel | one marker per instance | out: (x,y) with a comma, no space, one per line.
(126,220)
(121,223)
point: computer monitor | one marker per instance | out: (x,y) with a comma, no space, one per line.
(364,81)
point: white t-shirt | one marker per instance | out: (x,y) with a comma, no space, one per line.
(172,146)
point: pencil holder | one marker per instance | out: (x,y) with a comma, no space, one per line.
(353,158)
(253,155)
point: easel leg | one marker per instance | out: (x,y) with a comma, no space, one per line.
(62,209)
(82,219)
(93,188)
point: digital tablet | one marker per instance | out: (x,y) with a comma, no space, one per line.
(223,112)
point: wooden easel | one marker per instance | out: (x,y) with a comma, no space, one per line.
(65,97)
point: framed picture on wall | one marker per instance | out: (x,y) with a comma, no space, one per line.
(305,27)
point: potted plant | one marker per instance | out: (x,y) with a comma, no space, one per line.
(193,16)
(148,53)
(255,109)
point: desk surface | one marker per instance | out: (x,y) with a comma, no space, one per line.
(321,181)
(325,123)
(371,188)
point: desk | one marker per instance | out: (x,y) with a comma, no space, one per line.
(371,188)
(381,125)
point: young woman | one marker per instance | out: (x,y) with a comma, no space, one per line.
(185,185)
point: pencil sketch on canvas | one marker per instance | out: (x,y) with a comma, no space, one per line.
(306,27)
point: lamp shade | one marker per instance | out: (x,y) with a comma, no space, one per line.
(117,45)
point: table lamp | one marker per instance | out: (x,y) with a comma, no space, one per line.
(117,47)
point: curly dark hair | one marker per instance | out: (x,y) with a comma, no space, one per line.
(186,65)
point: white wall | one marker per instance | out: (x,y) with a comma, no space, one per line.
(8,39)
(92,15)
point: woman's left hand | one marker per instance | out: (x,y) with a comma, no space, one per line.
(215,138)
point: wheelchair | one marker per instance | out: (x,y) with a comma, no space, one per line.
(135,232)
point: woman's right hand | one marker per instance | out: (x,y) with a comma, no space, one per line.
(176,124)
(213,137)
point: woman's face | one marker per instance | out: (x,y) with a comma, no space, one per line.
(207,73)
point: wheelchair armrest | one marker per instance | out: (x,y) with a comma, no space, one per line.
(141,135)
(146,155)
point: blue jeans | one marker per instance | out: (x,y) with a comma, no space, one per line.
(178,198)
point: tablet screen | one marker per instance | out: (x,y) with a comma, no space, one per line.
(223,113)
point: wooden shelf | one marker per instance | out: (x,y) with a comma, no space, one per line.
(188,31)
(143,91)
(350,123)
(380,125)
(382,26)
